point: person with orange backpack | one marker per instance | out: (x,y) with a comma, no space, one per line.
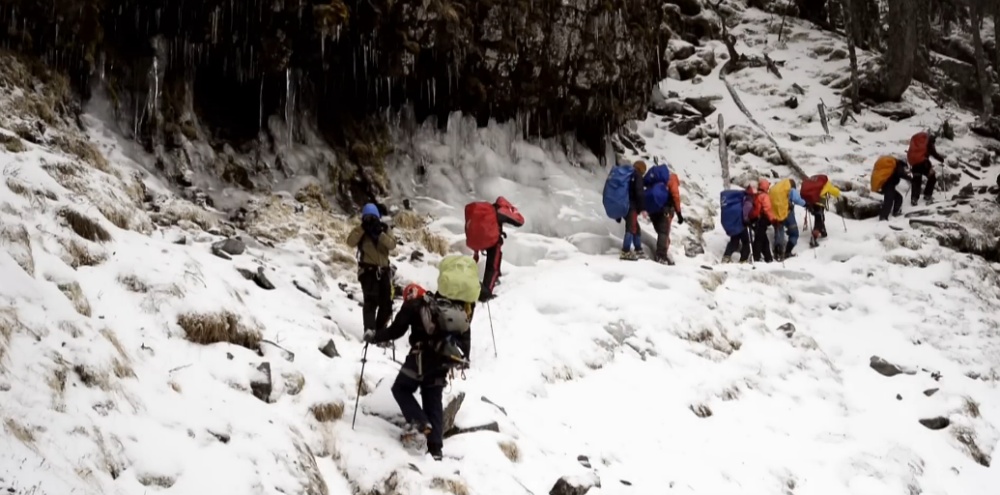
(886,175)
(662,201)
(815,191)
(919,155)
(762,217)
(484,233)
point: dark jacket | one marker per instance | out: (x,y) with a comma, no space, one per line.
(897,175)
(408,318)
(636,197)
(932,150)
(372,252)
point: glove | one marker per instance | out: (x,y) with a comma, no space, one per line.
(369,336)
(618,220)
(680,218)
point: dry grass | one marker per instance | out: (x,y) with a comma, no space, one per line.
(84,150)
(80,254)
(971,407)
(122,365)
(84,226)
(712,280)
(92,378)
(432,242)
(153,480)
(57,383)
(967,437)
(174,212)
(13,144)
(327,412)
(701,410)
(9,322)
(133,283)
(455,487)
(510,450)
(118,216)
(19,431)
(158,295)
(294,382)
(311,194)
(408,220)
(18,244)
(74,293)
(21,189)
(223,326)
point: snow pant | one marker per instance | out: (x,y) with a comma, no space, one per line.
(819,220)
(761,246)
(376,288)
(661,224)
(790,228)
(892,202)
(741,242)
(920,170)
(431,385)
(633,234)
(494,255)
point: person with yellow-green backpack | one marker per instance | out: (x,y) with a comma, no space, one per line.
(815,191)
(784,196)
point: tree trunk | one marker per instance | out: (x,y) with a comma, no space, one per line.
(922,72)
(976,9)
(996,38)
(813,11)
(846,10)
(898,66)
(865,18)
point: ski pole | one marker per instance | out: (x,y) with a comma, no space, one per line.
(357,400)
(489,312)
(750,238)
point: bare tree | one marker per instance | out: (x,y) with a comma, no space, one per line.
(852,51)
(977,10)
(898,64)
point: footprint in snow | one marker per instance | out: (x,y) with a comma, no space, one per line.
(613,277)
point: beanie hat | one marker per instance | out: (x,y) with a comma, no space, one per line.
(370,209)
(640,166)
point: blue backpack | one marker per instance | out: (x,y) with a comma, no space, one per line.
(616,191)
(732,211)
(657,195)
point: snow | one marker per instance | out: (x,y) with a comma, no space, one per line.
(611,360)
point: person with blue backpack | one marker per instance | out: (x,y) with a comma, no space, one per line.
(624,199)
(662,200)
(736,208)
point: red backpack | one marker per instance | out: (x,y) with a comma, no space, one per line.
(918,148)
(482,229)
(812,187)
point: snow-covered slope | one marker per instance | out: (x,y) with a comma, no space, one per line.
(654,379)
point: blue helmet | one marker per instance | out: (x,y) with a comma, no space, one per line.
(370,209)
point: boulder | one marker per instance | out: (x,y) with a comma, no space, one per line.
(671,107)
(261,385)
(575,485)
(857,207)
(451,411)
(230,246)
(330,349)
(491,426)
(886,368)
(703,104)
(678,49)
(938,423)
(788,329)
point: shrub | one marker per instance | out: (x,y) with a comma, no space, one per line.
(223,326)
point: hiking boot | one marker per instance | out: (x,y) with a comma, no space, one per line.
(813,242)
(628,256)
(435,452)
(640,254)
(913,202)
(928,200)
(897,213)
(743,262)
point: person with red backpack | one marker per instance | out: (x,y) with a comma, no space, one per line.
(484,233)
(762,216)
(919,155)
(815,191)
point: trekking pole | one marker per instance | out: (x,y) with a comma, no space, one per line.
(494,335)
(750,237)
(357,400)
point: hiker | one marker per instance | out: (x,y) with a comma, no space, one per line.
(784,197)
(919,155)
(484,232)
(762,217)
(816,191)
(886,175)
(440,340)
(623,197)
(373,241)
(736,208)
(662,200)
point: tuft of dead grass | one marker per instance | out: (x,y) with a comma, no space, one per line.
(327,412)
(13,144)
(455,487)
(21,189)
(122,365)
(92,378)
(84,226)
(510,450)
(408,220)
(701,410)
(222,326)
(80,254)
(154,480)
(294,382)
(9,323)
(19,431)
(967,437)
(712,280)
(74,293)
(15,238)
(174,212)
(133,283)
(971,407)
(84,150)
(432,242)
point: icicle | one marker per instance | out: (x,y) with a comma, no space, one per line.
(322,44)
(260,107)
(433,92)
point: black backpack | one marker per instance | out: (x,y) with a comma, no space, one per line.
(445,321)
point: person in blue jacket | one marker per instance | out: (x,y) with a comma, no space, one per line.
(636,198)
(789,226)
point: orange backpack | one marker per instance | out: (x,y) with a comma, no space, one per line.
(884,168)
(918,148)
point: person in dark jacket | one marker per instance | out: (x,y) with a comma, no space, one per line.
(892,200)
(920,166)
(506,214)
(633,234)
(374,241)
(434,350)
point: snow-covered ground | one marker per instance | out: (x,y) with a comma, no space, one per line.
(655,379)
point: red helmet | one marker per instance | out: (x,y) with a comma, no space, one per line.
(413,291)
